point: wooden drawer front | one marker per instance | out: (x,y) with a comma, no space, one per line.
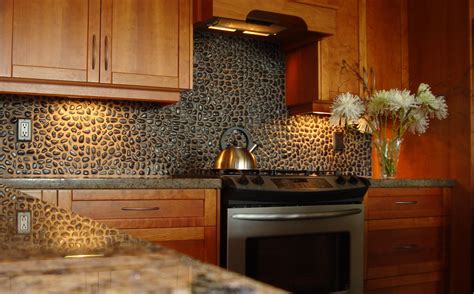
(429,283)
(405,202)
(139,209)
(138,194)
(404,251)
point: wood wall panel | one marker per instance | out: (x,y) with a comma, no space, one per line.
(386,42)
(439,54)
(6,37)
(343,45)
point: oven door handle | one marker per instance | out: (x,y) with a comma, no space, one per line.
(294,216)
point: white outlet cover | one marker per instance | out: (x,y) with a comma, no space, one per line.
(23,222)
(24,129)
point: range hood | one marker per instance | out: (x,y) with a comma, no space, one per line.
(298,25)
(285,21)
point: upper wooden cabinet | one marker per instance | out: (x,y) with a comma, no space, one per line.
(141,49)
(50,39)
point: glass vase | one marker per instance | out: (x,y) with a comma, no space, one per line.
(388,150)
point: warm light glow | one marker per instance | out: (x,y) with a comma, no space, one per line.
(83,255)
(321,112)
(256,33)
(221,28)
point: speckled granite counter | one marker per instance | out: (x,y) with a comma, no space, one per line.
(113,183)
(37,262)
(398,183)
(179,183)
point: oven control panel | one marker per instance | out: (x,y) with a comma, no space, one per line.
(301,183)
(293,183)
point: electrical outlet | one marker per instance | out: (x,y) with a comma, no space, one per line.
(338,141)
(24,130)
(23,222)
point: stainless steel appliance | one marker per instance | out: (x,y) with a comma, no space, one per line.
(234,157)
(303,233)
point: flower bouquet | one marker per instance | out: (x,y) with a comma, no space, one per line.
(387,115)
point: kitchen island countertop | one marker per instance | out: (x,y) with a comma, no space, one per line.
(68,253)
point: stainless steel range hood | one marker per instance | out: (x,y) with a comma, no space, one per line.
(285,21)
(249,26)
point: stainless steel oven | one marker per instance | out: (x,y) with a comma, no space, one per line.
(302,234)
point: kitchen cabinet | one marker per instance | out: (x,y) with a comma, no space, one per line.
(406,240)
(99,48)
(182,219)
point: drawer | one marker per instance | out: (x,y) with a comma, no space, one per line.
(138,209)
(138,194)
(384,203)
(428,283)
(394,250)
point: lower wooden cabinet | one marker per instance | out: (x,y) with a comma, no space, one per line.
(182,219)
(406,240)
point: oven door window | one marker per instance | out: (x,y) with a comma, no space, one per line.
(311,263)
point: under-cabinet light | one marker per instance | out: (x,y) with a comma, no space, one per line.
(83,255)
(256,33)
(221,28)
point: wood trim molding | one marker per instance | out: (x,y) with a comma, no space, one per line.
(81,90)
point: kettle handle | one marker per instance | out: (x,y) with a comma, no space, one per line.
(229,131)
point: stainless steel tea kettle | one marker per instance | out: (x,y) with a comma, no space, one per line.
(233,157)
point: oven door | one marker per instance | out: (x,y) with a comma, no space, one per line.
(303,249)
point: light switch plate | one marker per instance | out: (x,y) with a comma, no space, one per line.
(23,222)
(24,130)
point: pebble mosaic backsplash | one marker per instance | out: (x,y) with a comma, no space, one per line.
(237,82)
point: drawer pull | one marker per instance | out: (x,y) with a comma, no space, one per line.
(406,247)
(140,208)
(406,202)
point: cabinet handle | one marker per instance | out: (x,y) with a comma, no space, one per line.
(140,208)
(106,49)
(406,202)
(93,51)
(406,247)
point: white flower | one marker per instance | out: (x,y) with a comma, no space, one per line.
(418,122)
(379,103)
(436,106)
(440,108)
(423,88)
(401,100)
(346,109)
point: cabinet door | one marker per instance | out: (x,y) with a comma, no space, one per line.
(51,39)
(146,43)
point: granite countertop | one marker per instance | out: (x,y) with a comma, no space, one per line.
(184,182)
(114,183)
(68,253)
(399,183)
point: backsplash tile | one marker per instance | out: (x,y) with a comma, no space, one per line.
(237,82)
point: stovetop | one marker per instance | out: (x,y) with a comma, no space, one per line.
(291,187)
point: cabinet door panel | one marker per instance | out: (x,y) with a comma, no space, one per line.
(148,46)
(6,20)
(50,39)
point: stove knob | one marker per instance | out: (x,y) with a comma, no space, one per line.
(258,180)
(341,180)
(243,180)
(353,180)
